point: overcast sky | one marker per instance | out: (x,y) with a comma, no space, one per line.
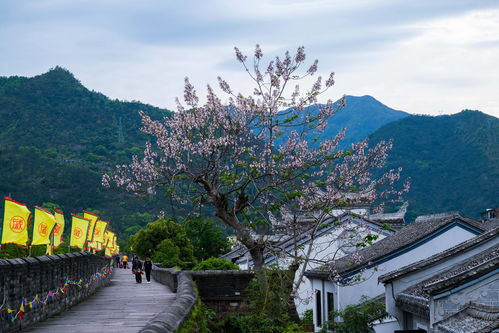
(422,56)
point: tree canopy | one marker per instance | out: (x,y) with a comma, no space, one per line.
(234,155)
(166,242)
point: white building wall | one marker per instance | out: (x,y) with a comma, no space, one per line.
(388,326)
(346,295)
(370,287)
(324,249)
(396,286)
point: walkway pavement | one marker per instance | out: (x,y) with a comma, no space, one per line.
(124,306)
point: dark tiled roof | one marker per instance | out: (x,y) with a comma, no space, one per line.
(284,242)
(469,244)
(490,224)
(413,304)
(397,219)
(416,298)
(237,252)
(466,270)
(473,318)
(423,227)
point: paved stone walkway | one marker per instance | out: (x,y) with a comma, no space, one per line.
(124,306)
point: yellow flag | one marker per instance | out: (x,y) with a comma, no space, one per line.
(110,241)
(99,231)
(113,242)
(79,230)
(95,245)
(108,253)
(93,218)
(58,229)
(15,223)
(106,238)
(44,223)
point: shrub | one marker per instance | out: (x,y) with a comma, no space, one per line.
(215,264)
(358,318)
(308,317)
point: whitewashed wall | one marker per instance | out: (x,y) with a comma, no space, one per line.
(346,295)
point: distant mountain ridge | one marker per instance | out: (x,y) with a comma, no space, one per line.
(57,138)
(56,105)
(452,160)
(361,116)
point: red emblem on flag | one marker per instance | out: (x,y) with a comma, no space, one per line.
(77,233)
(17,224)
(42,229)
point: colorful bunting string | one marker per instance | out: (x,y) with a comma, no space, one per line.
(7,313)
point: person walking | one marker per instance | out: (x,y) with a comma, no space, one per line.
(125,261)
(137,269)
(148,269)
(117,260)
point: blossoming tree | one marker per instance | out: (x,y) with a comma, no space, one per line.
(259,159)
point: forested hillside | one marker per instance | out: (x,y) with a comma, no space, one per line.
(56,140)
(453,161)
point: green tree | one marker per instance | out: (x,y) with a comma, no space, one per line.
(51,206)
(215,264)
(358,318)
(168,254)
(207,239)
(166,241)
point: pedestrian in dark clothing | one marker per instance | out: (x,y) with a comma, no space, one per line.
(148,269)
(117,261)
(137,269)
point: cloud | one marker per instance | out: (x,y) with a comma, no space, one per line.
(402,53)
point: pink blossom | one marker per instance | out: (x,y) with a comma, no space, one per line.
(225,153)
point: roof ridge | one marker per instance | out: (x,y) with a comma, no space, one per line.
(474,310)
(450,214)
(434,259)
(434,286)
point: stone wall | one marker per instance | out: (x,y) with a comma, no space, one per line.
(172,318)
(28,277)
(222,291)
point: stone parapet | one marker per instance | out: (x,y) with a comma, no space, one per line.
(33,278)
(173,317)
(223,291)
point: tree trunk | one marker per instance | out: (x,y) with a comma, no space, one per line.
(256,252)
(292,311)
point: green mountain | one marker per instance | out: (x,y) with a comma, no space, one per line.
(361,116)
(55,112)
(56,140)
(453,161)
